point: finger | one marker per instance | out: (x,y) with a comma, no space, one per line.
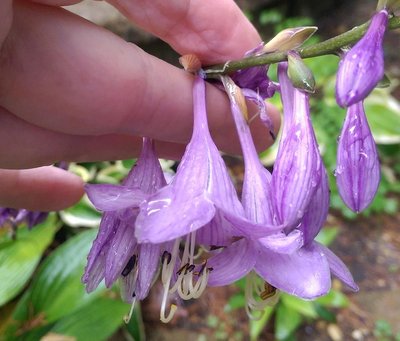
(213,30)
(79,79)
(32,146)
(40,189)
(5,19)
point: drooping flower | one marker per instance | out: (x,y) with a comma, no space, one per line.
(115,252)
(193,209)
(13,217)
(200,190)
(362,67)
(357,170)
(289,261)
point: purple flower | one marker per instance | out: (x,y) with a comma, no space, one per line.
(363,66)
(289,261)
(14,217)
(200,191)
(115,252)
(357,170)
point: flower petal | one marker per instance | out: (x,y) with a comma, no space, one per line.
(338,268)
(167,216)
(114,197)
(304,273)
(282,243)
(317,211)
(232,263)
(147,174)
(122,246)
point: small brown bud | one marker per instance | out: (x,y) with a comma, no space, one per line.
(190,62)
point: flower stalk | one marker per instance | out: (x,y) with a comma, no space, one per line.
(329,46)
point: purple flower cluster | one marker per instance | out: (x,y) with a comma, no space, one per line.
(195,232)
(360,70)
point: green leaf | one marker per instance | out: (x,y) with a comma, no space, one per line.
(19,258)
(303,307)
(96,320)
(257,326)
(383,112)
(235,302)
(334,299)
(57,290)
(327,235)
(286,322)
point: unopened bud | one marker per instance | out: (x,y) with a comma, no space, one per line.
(299,74)
(190,62)
(289,39)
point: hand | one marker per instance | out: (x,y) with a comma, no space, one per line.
(72,91)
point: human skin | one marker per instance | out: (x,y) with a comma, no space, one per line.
(72,91)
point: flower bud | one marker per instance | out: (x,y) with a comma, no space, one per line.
(190,62)
(299,73)
(289,39)
(363,66)
(357,170)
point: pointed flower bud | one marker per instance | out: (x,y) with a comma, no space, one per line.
(363,66)
(299,73)
(357,171)
(289,39)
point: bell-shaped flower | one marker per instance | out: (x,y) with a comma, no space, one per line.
(298,167)
(291,262)
(115,252)
(362,67)
(357,170)
(200,190)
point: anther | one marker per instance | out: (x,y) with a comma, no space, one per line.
(166,256)
(269,291)
(129,266)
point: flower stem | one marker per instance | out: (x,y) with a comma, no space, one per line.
(330,46)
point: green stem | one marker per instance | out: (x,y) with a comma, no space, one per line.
(330,46)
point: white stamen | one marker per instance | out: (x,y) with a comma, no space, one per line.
(128,317)
(254,305)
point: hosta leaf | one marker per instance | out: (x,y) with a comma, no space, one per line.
(19,258)
(383,112)
(96,320)
(287,321)
(303,307)
(56,290)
